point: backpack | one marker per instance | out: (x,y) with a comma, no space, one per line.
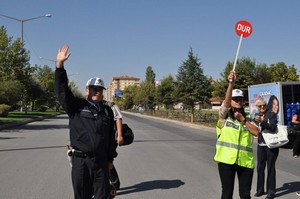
(128,135)
(127,132)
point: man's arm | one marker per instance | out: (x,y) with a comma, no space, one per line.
(118,118)
(63,93)
(119,123)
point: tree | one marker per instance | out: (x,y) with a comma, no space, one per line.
(262,74)
(129,96)
(165,92)
(10,92)
(283,73)
(193,86)
(150,76)
(246,70)
(14,64)
(44,76)
(147,94)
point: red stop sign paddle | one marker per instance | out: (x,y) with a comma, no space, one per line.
(243,28)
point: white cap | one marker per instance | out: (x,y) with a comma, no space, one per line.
(237,93)
(95,81)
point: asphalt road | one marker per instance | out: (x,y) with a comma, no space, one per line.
(168,160)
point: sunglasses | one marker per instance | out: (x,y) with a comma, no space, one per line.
(237,99)
(96,88)
(261,106)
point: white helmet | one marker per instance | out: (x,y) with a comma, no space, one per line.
(95,81)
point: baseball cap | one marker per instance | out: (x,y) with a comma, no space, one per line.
(237,93)
(95,81)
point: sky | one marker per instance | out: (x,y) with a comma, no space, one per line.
(123,37)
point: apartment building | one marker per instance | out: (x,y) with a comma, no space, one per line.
(117,86)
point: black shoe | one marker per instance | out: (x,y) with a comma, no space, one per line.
(259,194)
(270,196)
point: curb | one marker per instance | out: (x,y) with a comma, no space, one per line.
(15,124)
(188,124)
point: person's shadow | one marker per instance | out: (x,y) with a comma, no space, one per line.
(289,187)
(150,185)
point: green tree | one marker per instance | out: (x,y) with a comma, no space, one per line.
(193,86)
(262,74)
(150,76)
(14,63)
(246,75)
(10,92)
(129,95)
(165,92)
(147,91)
(44,76)
(283,73)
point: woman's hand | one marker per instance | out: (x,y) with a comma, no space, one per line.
(231,77)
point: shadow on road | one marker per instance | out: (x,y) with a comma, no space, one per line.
(151,185)
(289,187)
(42,126)
(189,140)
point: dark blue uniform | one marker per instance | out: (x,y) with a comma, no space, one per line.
(92,133)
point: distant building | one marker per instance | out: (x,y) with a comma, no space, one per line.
(215,102)
(117,86)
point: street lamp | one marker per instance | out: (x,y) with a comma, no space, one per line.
(48,59)
(24,20)
(22,33)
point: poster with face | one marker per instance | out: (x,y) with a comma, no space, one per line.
(270,93)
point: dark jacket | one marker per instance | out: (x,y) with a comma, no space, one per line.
(91,128)
(270,120)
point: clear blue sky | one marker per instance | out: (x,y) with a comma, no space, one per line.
(113,38)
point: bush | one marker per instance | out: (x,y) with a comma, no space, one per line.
(42,108)
(4,109)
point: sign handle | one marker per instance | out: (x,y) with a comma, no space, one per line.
(237,52)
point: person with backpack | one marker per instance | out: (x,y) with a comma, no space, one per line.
(92,135)
(113,175)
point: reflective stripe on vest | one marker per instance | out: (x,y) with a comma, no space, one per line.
(234,144)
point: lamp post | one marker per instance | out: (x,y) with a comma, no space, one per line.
(24,20)
(48,59)
(22,39)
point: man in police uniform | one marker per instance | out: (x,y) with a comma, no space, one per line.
(92,134)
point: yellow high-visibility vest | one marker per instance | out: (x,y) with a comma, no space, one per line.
(234,144)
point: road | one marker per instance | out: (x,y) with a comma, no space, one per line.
(168,160)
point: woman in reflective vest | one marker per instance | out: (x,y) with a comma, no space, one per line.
(234,152)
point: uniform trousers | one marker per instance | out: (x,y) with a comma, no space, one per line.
(89,179)
(227,175)
(114,178)
(266,157)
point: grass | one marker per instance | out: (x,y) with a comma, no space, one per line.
(22,116)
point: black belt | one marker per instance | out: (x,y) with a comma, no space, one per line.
(77,153)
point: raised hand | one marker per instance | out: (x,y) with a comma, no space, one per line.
(62,56)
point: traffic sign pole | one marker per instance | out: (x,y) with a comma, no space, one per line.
(237,52)
(243,29)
